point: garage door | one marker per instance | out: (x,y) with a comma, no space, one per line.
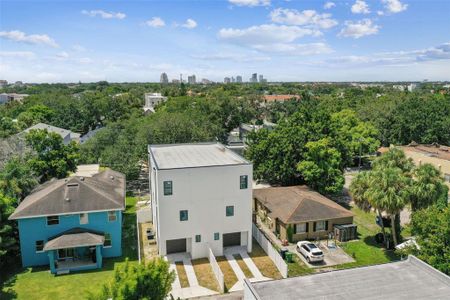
(232,239)
(174,246)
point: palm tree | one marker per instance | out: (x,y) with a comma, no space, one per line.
(389,192)
(427,188)
(394,158)
(358,190)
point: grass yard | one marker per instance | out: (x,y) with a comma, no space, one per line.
(243,266)
(228,273)
(365,250)
(263,262)
(30,282)
(298,268)
(182,276)
(205,274)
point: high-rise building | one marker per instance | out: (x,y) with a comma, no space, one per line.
(239,79)
(227,80)
(254,78)
(233,80)
(261,78)
(191,79)
(164,79)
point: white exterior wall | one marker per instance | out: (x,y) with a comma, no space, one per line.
(204,192)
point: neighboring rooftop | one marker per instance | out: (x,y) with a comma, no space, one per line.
(298,204)
(61,131)
(177,156)
(436,151)
(411,279)
(87,170)
(103,191)
(275,98)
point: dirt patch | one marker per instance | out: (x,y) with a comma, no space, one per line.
(230,277)
(205,274)
(182,276)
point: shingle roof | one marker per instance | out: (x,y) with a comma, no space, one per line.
(411,279)
(76,237)
(296,204)
(177,156)
(61,131)
(102,191)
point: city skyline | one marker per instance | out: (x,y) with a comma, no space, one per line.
(287,40)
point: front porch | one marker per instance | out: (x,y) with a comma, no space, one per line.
(75,250)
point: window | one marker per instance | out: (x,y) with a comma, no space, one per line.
(216,236)
(198,238)
(112,216)
(65,253)
(108,241)
(168,188)
(301,228)
(321,225)
(39,246)
(84,219)
(244,182)
(53,220)
(184,215)
(230,211)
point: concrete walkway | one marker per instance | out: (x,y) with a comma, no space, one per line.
(242,251)
(194,289)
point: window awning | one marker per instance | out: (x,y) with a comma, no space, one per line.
(74,239)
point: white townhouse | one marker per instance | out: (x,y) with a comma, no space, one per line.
(201,198)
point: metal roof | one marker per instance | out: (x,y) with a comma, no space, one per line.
(76,237)
(411,279)
(178,156)
(101,192)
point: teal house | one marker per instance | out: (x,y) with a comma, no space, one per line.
(72,224)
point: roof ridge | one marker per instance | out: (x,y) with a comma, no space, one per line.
(295,190)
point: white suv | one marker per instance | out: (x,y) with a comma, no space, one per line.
(311,252)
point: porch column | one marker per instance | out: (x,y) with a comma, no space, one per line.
(98,254)
(51,257)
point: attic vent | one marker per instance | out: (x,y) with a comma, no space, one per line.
(72,185)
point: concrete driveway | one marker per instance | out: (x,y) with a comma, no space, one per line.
(332,256)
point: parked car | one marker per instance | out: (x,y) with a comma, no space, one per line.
(310,251)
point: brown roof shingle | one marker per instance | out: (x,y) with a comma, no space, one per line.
(102,191)
(297,204)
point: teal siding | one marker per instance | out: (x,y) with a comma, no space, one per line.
(34,229)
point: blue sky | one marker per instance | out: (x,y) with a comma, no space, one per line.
(70,41)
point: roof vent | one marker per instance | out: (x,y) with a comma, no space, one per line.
(67,199)
(111,177)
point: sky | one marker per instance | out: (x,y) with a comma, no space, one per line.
(135,41)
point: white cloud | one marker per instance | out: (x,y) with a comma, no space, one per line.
(250,3)
(78,48)
(236,57)
(296,49)
(359,29)
(394,6)
(19,36)
(18,54)
(329,5)
(360,7)
(104,14)
(156,22)
(62,55)
(380,13)
(189,24)
(265,34)
(306,17)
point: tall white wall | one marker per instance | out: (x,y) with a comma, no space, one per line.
(204,192)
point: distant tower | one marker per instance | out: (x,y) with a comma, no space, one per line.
(254,78)
(239,79)
(261,78)
(164,79)
(192,79)
(181,77)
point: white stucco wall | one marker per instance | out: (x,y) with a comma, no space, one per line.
(204,192)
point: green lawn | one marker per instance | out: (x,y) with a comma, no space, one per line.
(38,283)
(365,250)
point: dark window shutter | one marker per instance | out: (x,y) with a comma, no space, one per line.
(326,225)
(314,227)
(307,227)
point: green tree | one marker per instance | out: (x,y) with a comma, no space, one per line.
(321,167)
(151,281)
(51,157)
(16,179)
(431,227)
(8,235)
(7,127)
(36,114)
(394,158)
(428,187)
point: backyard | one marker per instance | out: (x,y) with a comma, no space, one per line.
(27,283)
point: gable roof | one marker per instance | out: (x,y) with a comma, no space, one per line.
(101,192)
(297,204)
(179,156)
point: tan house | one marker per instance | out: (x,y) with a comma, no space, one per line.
(309,214)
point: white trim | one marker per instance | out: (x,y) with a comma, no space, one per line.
(66,214)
